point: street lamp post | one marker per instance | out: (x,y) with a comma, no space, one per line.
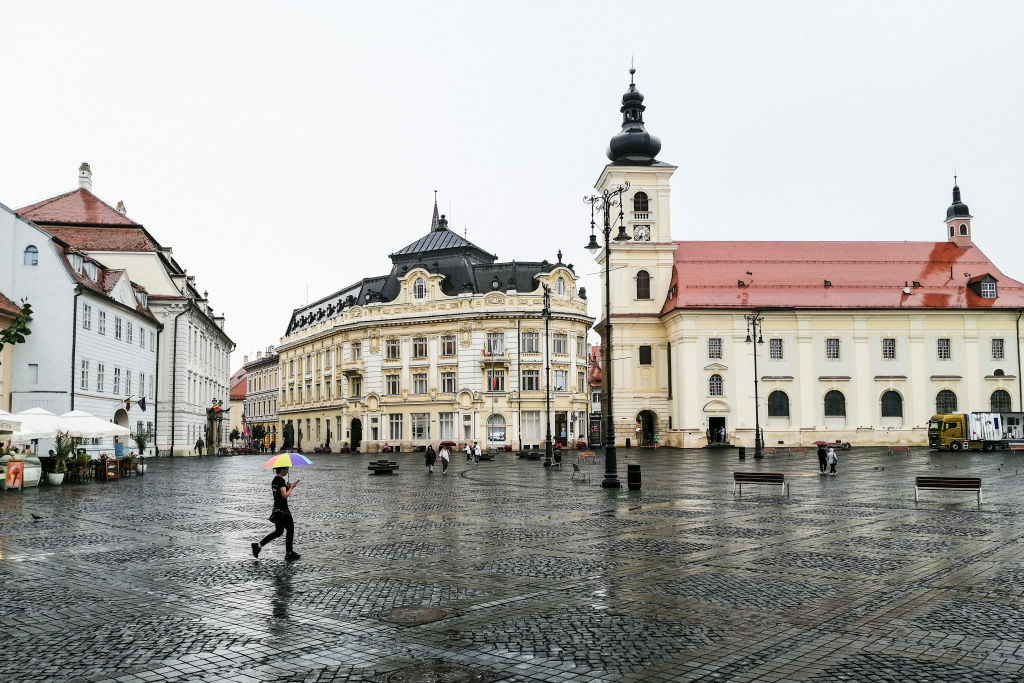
(754,337)
(547,376)
(605,201)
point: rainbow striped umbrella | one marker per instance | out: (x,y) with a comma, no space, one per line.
(287,460)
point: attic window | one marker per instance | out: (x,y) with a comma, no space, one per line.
(76,263)
(143,298)
(90,271)
(988,290)
(419,288)
(31,256)
(560,286)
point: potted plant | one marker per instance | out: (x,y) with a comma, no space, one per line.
(63,446)
(141,440)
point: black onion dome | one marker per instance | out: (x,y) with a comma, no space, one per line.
(957,209)
(633,144)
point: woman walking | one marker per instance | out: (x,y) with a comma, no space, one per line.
(446,455)
(832,460)
(281,516)
(431,457)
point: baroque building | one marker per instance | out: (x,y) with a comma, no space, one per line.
(859,341)
(450,345)
(261,392)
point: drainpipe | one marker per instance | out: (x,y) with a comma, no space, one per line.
(74,339)
(156,392)
(174,374)
(1020,390)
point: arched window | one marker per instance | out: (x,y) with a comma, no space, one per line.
(640,202)
(963,228)
(560,286)
(778,404)
(715,385)
(1001,401)
(496,428)
(945,402)
(643,285)
(31,255)
(892,404)
(835,404)
(419,288)
(952,231)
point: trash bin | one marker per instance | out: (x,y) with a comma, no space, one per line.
(633,476)
(627,442)
(743,452)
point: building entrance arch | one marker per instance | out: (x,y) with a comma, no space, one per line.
(356,431)
(648,421)
(121,420)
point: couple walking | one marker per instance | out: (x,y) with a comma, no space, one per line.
(827,457)
(431,457)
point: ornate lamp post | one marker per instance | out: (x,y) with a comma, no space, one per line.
(754,337)
(547,375)
(605,201)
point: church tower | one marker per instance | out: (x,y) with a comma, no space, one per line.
(958,220)
(641,271)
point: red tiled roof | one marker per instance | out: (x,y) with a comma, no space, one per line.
(238,390)
(7,306)
(107,239)
(862,275)
(79,207)
(106,280)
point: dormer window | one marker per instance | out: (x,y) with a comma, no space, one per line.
(988,290)
(984,286)
(31,255)
(419,289)
(90,271)
(76,263)
(143,299)
(560,286)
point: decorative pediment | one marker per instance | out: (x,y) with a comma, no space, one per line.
(494,300)
(716,367)
(716,407)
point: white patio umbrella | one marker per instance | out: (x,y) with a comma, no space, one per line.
(8,423)
(36,423)
(82,424)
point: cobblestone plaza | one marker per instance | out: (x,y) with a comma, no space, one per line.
(504,571)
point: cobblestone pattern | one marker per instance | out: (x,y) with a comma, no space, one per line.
(540,578)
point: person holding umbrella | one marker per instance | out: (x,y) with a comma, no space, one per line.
(281,516)
(822,455)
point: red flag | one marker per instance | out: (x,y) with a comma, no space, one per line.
(128,404)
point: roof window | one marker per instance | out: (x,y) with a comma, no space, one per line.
(76,263)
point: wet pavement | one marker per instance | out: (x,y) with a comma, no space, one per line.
(507,572)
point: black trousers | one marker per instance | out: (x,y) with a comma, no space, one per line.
(283,524)
(822,463)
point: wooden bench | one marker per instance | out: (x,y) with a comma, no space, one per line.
(583,456)
(1017,447)
(899,450)
(760,479)
(383,466)
(797,450)
(584,476)
(769,451)
(948,483)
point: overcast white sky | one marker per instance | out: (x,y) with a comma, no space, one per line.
(281,148)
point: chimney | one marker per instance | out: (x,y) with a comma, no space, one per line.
(259,354)
(120,207)
(85,177)
(245,359)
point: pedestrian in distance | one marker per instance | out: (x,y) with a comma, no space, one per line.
(822,458)
(476,452)
(281,516)
(445,455)
(273,445)
(199,446)
(832,460)
(469,452)
(430,456)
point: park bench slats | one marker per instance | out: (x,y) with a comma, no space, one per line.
(759,478)
(383,466)
(947,483)
(903,450)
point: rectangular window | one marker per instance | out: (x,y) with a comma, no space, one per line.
(86,316)
(83,382)
(581,347)
(117,327)
(395,427)
(495,380)
(357,350)
(142,338)
(997,349)
(715,347)
(448,382)
(100,376)
(943,349)
(101,323)
(117,381)
(446,426)
(33,373)
(393,386)
(561,380)
(495,343)
(142,384)
(531,380)
(889,349)
(420,426)
(127,382)
(645,355)
(152,342)
(391,351)
(419,383)
(531,422)
(419,347)
(581,381)
(832,348)
(129,337)
(560,344)
(149,428)
(988,290)
(448,345)
(775,349)
(531,342)
(355,386)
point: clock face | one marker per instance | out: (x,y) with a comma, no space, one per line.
(642,233)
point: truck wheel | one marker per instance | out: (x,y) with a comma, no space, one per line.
(989,446)
(954,446)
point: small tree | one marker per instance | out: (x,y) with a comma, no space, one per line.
(63,446)
(234,436)
(258,432)
(141,440)
(16,332)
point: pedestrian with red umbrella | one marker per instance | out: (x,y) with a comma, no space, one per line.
(822,455)
(281,516)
